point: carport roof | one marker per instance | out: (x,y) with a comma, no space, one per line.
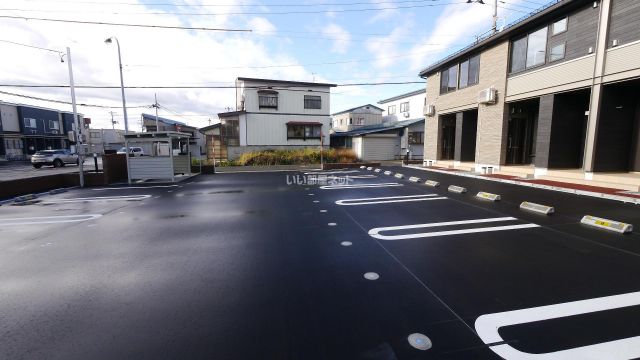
(371,129)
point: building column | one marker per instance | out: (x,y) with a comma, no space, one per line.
(543,134)
(596,89)
(432,138)
(457,152)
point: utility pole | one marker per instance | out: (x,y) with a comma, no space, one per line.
(79,145)
(155,105)
(113,122)
(494,27)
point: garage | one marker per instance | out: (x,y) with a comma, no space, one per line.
(377,147)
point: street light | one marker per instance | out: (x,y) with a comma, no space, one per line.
(124,106)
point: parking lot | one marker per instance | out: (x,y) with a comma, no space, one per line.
(23,170)
(255,266)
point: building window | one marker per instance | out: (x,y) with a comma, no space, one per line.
(391,110)
(360,121)
(469,72)
(519,55)
(449,79)
(304,132)
(267,99)
(230,132)
(54,125)
(416,138)
(404,107)
(312,102)
(557,52)
(537,48)
(350,121)
(94,135)
(30,123)
(559,26)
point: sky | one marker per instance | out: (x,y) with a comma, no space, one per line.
(344,42)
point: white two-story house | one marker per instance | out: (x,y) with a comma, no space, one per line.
(407,107)
(276,114)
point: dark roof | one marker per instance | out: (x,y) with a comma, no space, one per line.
(209,127)
(355,108)
(285,82)
(304,123)
(398,97)
(230,113)
(545,13)
(165,120)
(370,129)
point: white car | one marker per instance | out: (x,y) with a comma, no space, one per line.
(57,158)
(133,151)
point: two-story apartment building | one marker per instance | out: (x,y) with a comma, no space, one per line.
(26,129)
(276,114)
(385,133)
(350,119)
(554,96)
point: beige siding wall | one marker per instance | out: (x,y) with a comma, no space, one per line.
(271,129)
(569,75)
(491,122)
(622,62)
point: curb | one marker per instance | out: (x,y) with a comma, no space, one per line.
(623,199)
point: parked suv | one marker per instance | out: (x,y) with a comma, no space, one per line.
(57,158)
(133,151)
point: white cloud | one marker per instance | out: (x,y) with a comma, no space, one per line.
(341,38)
(386,49)
(151,57)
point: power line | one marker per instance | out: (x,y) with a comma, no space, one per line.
(31,46)
(239,5)
(228,13)
(121,24)
(281,87)
(67,102)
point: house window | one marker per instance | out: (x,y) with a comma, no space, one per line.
(404,107)
(469,72)
(312,102)
(557,52)
(519,55)
(391,110)
(360,121)
(30,123)
(267,99)
(559,26)
(350,121)
(537,48)
(416,138)
(54,125)
(449,79)
(303,131)
(230,132)
(94,135)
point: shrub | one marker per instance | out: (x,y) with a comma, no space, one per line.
(295,157)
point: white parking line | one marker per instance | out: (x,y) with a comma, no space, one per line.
(48,219)
(134,187)
(98,198)
(332,172)
(488,325)
(388,199)
(358,186)
(375,233)
(333,177)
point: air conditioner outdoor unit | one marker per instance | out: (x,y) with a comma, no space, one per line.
(488,96)
(429,110)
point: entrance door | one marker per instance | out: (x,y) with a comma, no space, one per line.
(520,139)
(448,138)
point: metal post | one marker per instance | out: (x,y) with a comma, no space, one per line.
(321,155)
(155,105)
(79,147)
(124,109)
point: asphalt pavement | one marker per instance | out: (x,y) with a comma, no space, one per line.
(254,266)
(15,170)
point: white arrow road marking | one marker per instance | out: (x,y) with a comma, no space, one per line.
(376,232)
(358,186)
(487,327)
(98,198)
(388,199)
(48,219)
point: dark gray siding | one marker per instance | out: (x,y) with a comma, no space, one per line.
(582,29)
(624,25)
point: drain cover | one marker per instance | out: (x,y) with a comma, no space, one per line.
(419,341)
